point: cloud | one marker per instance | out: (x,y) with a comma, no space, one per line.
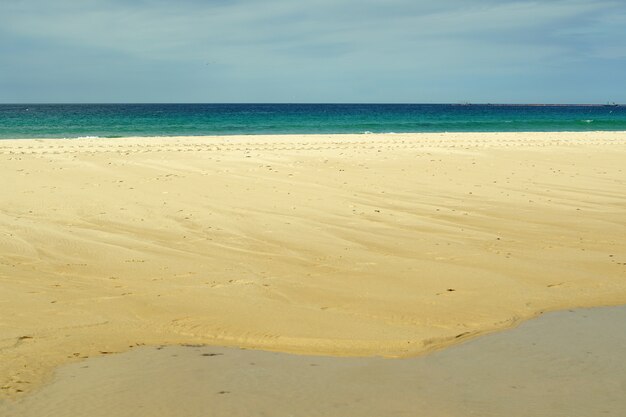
(333,44)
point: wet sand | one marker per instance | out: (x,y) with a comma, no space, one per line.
(565,364)
(344,245)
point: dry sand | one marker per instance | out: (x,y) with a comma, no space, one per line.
(349,245)
(564,364)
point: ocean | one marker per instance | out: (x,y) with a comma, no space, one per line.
(120,120)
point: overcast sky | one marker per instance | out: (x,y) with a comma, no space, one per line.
(557,51)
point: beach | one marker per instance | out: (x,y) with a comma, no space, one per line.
(390,245)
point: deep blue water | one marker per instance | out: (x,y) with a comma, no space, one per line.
(119,120)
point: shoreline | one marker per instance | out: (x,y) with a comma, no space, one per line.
(342,245)
(412,135)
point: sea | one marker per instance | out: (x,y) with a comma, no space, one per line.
(122,120)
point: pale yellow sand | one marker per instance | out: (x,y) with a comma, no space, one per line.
(345,245)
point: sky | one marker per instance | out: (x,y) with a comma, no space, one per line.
(396,51)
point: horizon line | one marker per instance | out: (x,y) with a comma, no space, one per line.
(460,103)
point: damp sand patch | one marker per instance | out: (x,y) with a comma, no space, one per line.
(569,364)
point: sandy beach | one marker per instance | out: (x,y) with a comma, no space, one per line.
(344,245)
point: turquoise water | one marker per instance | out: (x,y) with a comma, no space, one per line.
(119,120)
